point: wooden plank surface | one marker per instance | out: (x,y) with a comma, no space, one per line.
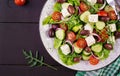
(9,12)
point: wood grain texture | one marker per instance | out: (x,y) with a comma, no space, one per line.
(30,12)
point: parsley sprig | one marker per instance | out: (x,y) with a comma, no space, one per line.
(35,60)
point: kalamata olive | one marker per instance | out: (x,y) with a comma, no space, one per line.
(61,1)
(100,1)
(79,10)
(108,46)
(117,34)
(51,32)
(88,49)
(55,26)
(77,59)
(104,18)
(71,9)
(85,32)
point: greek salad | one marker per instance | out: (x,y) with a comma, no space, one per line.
(83,30)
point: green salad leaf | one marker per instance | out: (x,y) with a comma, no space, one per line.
(74,2)
(57,7)
(46,20)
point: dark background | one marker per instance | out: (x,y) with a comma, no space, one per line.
(19,29)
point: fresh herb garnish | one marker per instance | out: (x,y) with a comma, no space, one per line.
(35,61)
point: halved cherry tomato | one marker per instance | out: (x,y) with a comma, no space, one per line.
(56,16)
(64,26)
(81,43)
(71,36)
(93,60)
(102,13)
(112,15)
(20,2)
(83,6)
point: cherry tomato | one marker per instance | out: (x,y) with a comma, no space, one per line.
(93,60)
(81,43)
(112,15)
(71,36)
(102,13)
(64,26)
(20,2)
(56,16)
(83,7)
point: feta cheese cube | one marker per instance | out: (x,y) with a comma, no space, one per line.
(92,1)
(112,27)
(88,27)
(65,5)
(65,12)
(90,40)
(65,49)
(93,18)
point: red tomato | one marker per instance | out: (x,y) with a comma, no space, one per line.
(71,36)
(56,16)
(102,13)
(112,15)
(81,43)
(93,60)
(20,2)
(83,7)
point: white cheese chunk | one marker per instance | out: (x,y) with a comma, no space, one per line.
(112,27)
(88,27)
(93,18)
(92,1)
(65,12)
(65,5)
(65,49)
(90,40)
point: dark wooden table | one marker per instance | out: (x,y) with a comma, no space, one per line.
(19,29)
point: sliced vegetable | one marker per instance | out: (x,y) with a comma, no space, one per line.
(93,60)
(112,15)
(60,34)
(84,57)
(84,16)
(81,43)
(57,43)
(97,47)
(108,8)
(100,25)
(83,6)
(71,36)
(76,28)
(77,49)
(86,53)
(102,13)
(56,16)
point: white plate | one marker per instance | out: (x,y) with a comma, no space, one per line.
(48,43)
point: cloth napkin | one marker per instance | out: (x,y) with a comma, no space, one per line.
(110,70)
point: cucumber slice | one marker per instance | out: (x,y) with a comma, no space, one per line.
(84,57)
(86,53)
(76,28)
(108,8)
(84,16)
(60,34)
(77,50)
(100,25)
(100,55)
(97,47)
(57,43)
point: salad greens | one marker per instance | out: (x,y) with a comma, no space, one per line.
(83,30)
